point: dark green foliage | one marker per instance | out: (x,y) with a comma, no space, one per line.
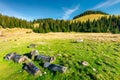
(104,24)
(12,22)
(89,12)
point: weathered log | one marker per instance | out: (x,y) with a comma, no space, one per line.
(23,59)
(16,57)
(9,56)
(34,53)
(31,68)
(55,67)
(44,58)
(36,56)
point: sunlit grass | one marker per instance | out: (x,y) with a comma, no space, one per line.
(91,17)
(101,51)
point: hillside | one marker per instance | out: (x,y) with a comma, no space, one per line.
(90,17)
(88,12)
(101,23)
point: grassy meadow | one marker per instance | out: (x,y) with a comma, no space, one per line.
(91,17)
(100,50)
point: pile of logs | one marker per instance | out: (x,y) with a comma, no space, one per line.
(34,55)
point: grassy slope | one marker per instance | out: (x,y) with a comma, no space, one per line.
(100,50)
(91,17)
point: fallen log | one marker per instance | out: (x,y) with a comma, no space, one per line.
(37,57)
(55,67)
(16,57)
(31,68)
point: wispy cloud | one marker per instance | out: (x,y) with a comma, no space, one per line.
(68,12)
(6,10)
(106,4)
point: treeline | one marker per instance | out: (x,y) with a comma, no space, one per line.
(90,12)
(104,24)
(12,22)
(51,25)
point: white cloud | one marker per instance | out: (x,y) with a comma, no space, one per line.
(68,12)
(106,4)
(6,10)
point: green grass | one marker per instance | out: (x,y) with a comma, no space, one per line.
(102,55)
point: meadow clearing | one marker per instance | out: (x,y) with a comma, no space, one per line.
(100,50)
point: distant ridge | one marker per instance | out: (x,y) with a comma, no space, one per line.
(90,21)
(90,17)
(88,12)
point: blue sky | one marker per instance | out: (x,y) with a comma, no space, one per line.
(57,9)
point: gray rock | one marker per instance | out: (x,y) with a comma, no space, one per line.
(79,40)
(94,69)
(85,63)
(32,46)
